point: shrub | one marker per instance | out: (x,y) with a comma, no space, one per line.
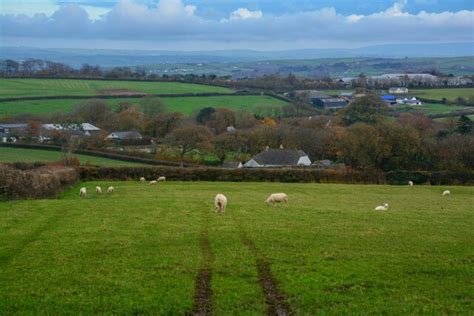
(40,182)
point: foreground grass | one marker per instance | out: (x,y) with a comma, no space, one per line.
(187,105)
(9,154)
(54,87)
(137,251)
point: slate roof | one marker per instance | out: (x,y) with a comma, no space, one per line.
(279,157)
(125,135)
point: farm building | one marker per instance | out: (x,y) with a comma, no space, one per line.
(279,158)
(86,128)
(325,101)
(389,99)
(124,135)
(232,164)
(398,90)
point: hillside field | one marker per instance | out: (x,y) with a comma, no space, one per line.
(143,249)
(450,94)
(9,154)
(185,105)
(10,88)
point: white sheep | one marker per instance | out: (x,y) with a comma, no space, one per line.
(220,203)
(110,189)
(382,207)
(83,192)
(410,183)
(98,190)
(162,178)
(142,179)
(154,182)
(277,198)
(446,193)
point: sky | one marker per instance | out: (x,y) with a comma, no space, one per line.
(232,24)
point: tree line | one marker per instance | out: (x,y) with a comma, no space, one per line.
(361,136)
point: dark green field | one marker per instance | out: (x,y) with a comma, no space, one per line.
(185,105)
(9,154)
(140,250)
(10,88)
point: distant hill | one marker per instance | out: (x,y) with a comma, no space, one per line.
(112,58)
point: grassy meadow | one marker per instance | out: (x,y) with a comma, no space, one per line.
(141,249)
(185,105)
(450,94)
(10,88)
(10,154)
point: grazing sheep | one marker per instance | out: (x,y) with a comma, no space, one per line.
(160,179)
(446,193)
(142,179)
(110,189)
(410,183)
(154,182)
(83,192)
(277,198)
(382,207)
(220,202)
(98,189)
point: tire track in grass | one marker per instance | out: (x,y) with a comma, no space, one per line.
(203,292)
(31,238)
(276,301)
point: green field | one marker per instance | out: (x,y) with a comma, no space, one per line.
(10,88)
(185,105)
(431,109)
(450,94)
(9,154)
(139,251)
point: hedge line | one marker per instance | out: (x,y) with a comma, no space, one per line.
(302,175)
(35,183)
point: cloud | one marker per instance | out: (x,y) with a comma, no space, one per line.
(243,14)
(172,20)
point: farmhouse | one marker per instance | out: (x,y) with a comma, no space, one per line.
(398,90)
(124,135)
(279,158)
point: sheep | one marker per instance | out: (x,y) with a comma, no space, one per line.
(142,179)
(154,182)
(83,192)
(446,193)
(382,207)
(110,189)
(220,203)
(276,198)
(98,190)
(162,178)
(410,183)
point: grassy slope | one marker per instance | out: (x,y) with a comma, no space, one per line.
(137,251)
(439,94)
(186,105)
(8,154)
(52,87)
(430,109)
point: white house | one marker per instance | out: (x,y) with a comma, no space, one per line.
(398,90)
(279,158)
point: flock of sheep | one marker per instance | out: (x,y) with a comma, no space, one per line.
(220,201)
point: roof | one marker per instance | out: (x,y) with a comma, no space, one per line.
(125,135)
(13,125)
(388,97)
(279,157)
(333,102)
(231,164)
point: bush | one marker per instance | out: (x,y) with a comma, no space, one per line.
(40,182)
(401,177)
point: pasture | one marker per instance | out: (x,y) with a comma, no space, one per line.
(451,94)
(149,250)
(10,88)
(185,105)
(10,154)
